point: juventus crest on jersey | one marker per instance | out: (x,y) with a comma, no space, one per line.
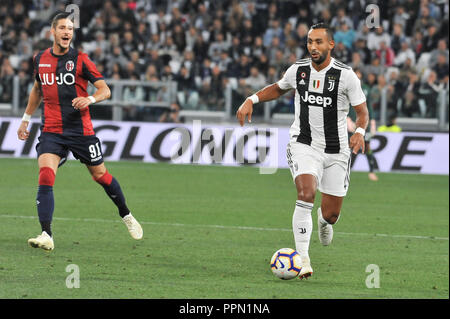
(322,103)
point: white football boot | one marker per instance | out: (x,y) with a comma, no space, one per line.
(133,226)
(325,230)
(43,241)
(306,270)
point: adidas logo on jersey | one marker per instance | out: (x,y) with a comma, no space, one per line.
(317,100)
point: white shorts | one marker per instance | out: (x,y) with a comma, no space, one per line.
(332,171)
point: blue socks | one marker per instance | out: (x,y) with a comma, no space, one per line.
(45,206)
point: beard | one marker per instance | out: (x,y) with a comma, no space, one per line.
(322,56)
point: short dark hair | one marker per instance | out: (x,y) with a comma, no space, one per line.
(322,25)
(60,16)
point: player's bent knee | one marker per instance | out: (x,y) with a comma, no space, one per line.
(104,179)
(306,196)
(46,176)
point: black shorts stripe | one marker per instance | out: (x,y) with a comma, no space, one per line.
(347,175)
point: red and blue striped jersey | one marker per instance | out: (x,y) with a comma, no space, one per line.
(63,78)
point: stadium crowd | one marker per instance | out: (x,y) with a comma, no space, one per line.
(206,45)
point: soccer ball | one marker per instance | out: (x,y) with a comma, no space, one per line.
(286,263)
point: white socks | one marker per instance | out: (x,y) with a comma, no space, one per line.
(302,227)
(321,220)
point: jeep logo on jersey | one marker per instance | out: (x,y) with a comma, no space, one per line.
(49,79)
(69,65)
(317,100)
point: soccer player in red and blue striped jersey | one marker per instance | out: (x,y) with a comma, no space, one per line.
(61,78)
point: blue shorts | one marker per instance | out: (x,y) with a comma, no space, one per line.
(87,149)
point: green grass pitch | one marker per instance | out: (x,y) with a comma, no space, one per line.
(210,231)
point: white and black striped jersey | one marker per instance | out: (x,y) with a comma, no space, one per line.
(322,103)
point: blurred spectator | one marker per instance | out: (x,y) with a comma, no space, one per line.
(189,63)
(191,36)
(204,71)
(345,35)
(441,69)
(169,51)
(404,54)
(410,105)
(200,48)
(113,24)
(364,52)
(391,126)
(240,69)
(43,15)
(172,115)
(236,17)
(167,74)
(374,97)
(301,34)
(274,30)
(357,63)
(212,93)
(203,18)
(128,44)
(440,50)
(385,54)
(255,81)
(273,48)
(179,37)
(423,20)
(24,46)
(342,53)
(341,18)
(375,38)
(292,47)
(133,94)
(142,35)
(429,92)
(375,67)
(116,56)
(224,61)
(400,18)
(6,77)
(139,66)
(398,37)
(217,47)
(430,40)
(97,24)
(325,16)
(257,50)
(187,94)
(126,14)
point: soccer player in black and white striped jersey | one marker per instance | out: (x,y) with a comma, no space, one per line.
(318,152)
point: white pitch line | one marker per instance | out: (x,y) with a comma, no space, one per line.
(223,227)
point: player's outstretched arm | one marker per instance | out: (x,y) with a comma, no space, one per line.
(362,120)
(34,100)
(270,92)
(103,92)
